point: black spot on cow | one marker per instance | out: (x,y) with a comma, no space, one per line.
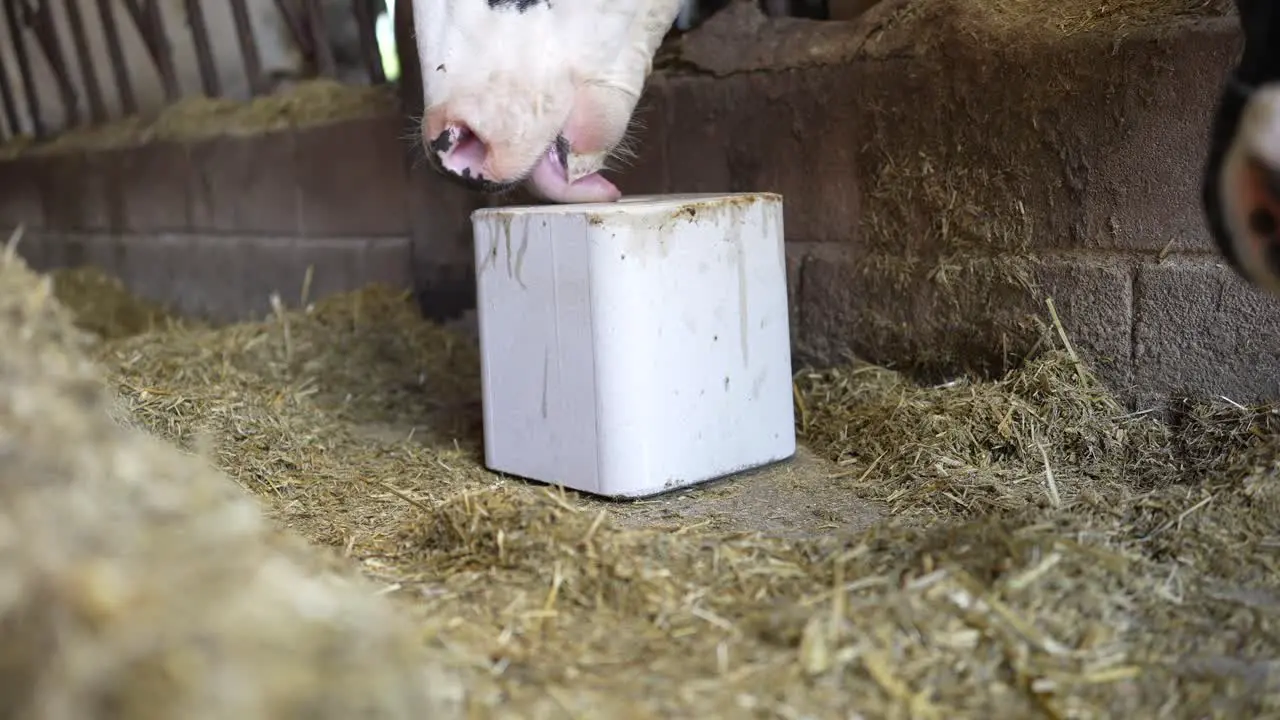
(517,5)
(477,183)
(562,153)
(442,143)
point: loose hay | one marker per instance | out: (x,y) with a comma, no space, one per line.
(198,117)
(966,449)
(133,584)
(101,306)
(1139,581)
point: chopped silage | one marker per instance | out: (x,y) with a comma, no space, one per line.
(1138,580)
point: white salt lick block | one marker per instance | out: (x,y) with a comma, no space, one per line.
(635,347)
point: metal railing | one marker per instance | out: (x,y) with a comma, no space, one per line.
(32,28)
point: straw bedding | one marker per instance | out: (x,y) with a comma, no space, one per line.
(135,581)
(1047,554)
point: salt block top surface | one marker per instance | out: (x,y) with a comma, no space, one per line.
(630,206)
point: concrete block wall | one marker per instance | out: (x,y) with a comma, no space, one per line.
(214,225)
(936,194)
(936,197)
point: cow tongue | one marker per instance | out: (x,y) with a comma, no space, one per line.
(549,182)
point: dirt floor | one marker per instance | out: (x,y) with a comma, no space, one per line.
(1020,548)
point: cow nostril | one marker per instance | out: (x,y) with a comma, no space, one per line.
(445,141)
(461,155)
(460,151)
(454,139)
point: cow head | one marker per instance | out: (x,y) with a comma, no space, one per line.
(1241,187)
(539,92)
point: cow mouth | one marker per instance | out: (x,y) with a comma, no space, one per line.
(550,180)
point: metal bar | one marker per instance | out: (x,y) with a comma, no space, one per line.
(146,18)
(248,48)
(161,49)
(320,39)
(204,53)
(24,67)
(365,17)
(6,97)
(297,26)
(40,20)
(97,109)
(125,86)
(305,18)
(409,84)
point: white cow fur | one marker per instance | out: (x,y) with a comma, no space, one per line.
(277,52)
(519,80)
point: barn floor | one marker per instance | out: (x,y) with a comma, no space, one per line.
(1019,548)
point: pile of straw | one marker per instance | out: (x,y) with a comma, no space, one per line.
(135,581)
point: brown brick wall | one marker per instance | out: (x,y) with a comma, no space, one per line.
(936,197)
(933,200)
(213,226)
